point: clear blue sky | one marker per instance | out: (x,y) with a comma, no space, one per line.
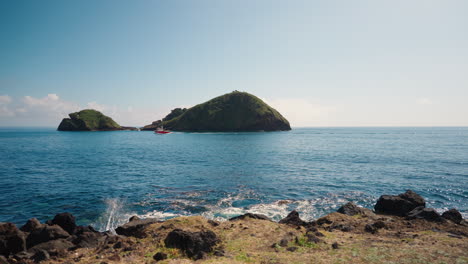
(321,63)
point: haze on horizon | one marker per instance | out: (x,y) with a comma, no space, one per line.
(327,63)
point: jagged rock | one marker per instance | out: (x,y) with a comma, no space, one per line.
(160,256)
(133,218)
(453,215)
(53,247)
(250,215)
(40,255)
(291,249)
(65,221)
(31,225)
(400,204)
(89,240)
(45,234)
(429,214)
(12,240)
(84,229)
(135,228)
(313,238)
(293,219)
(351,209)
(194,244)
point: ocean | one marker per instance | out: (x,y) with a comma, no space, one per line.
(103,178)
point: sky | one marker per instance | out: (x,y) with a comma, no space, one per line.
(320,63)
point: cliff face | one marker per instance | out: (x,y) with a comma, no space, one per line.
(88,120)
(236,111)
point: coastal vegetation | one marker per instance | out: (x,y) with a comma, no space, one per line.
(88,120)
(236,111)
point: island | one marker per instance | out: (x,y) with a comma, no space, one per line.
(232,112)
(90,120)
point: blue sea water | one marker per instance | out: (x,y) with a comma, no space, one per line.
(105,177)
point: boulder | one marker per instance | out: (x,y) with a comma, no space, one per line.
(89,240)
(453,215)
(135,228)
(45,234)
(194,244)
(351,209)
(250,215)
(399,205)
(53,246)
(160,256)
(65,221)
(40,255)
(429,214)
(31,225)
(12,240)
(293,219)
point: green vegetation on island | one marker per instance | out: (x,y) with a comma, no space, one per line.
(236,111)
(89,120)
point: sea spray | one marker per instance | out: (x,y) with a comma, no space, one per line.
(114,216)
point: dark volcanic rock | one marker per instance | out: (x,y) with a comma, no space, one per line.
(53,246)
(293,219)
(135,228)
(41,255)
(12,240)
(351,209)
(250,215)
(400,204)
(429,214)
(133,218)
(160,256)
(194,244)
(31,225)
(453,215)
(45,234)
(65,221)
(89,239)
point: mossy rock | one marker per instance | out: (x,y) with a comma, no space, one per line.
(232,112)
(88,120)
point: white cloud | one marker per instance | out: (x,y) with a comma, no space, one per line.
(302,112)
(4,109)
(5,99)
(424,101)
(51,109)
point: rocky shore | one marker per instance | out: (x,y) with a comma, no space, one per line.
(400,229)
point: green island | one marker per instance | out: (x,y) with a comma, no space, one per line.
(89,120)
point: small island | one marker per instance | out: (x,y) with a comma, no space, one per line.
(232,112)
(90,120)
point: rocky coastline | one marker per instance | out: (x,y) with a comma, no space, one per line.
(400,229)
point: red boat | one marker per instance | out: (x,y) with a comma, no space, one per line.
(161,130)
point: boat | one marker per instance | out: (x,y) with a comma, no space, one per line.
(161,130)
